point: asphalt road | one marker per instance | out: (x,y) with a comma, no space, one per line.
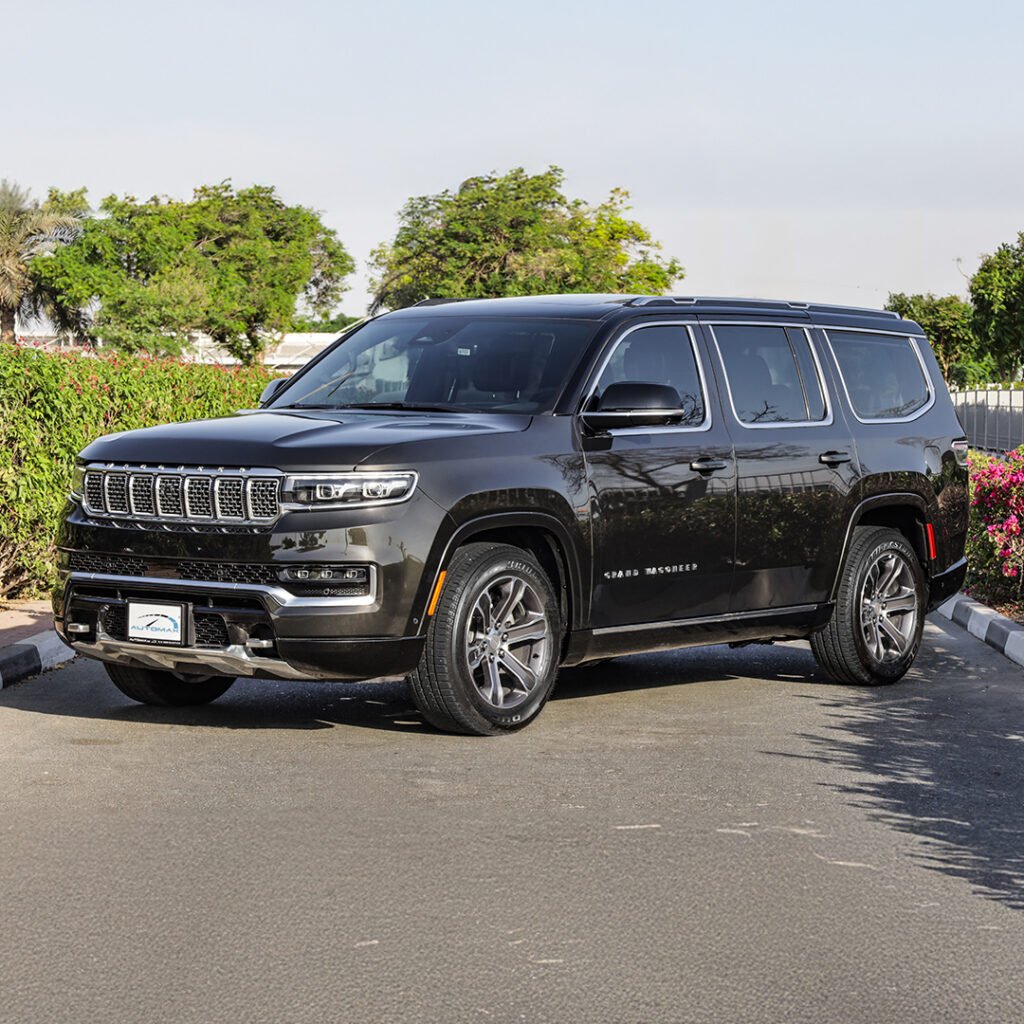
(708,835)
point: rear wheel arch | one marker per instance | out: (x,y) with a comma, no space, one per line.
(906,513)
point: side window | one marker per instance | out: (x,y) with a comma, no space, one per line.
(661,354)
(771,373)
(882,373)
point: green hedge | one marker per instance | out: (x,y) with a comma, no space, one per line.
(53,405)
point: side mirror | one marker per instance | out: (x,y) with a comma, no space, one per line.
(272,389)
(635,404)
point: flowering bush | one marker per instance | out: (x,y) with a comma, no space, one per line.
(53,405)
(995,540)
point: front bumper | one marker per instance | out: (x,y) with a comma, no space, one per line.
(233,629)
(333,660)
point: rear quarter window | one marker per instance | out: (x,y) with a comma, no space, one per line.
(882,373)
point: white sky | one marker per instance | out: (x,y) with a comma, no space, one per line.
(804,150)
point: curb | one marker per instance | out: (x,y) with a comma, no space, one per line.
(999,632)
(29,657)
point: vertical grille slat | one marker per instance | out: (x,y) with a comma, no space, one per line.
(228,498)
(262,494)
(181,494)
(94,492)
(169,501)
(116,492)
(140,494)
(198,497)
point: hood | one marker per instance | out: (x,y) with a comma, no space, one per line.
(293,440)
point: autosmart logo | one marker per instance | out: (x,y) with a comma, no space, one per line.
(159,625)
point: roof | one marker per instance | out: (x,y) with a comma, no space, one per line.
(598,307)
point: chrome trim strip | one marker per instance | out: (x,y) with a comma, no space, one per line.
(277,596)
(786,424)
(667,429)
(759,613)
(913,339)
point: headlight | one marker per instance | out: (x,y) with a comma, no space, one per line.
(78,481)
(348,490)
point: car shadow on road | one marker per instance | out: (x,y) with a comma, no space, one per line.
(249,704)
(940,757)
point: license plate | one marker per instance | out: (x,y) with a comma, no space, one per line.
(156,623)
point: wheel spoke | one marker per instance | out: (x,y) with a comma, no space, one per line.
(890,630)
(525,675)
(889,576)
(904,603)
(516,590)
(486,608)
(496,695)
(874,639)
(476,655)
(533,626)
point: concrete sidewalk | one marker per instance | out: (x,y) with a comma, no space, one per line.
(28,644)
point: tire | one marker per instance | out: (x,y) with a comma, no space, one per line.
(150,686)
(875,631)
(473,678)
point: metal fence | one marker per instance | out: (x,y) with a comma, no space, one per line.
(992,417)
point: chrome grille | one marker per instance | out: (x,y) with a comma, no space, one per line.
(183,494)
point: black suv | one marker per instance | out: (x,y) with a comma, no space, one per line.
(475,493)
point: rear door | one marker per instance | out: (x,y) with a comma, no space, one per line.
(662,498)
(796,464)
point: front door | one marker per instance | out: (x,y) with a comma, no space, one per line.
(662,498)
(797,471)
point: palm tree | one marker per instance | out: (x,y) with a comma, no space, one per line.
(27,230)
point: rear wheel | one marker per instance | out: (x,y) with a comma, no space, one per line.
(492,649)
(876,626)
(150,686)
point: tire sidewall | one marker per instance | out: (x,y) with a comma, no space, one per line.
(501,564)
(890,670)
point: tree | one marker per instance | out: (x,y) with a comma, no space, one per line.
(947,321)
(28,231)
(997,289)
(516,234)
(237,266)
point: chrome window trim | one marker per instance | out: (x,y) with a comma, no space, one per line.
(913,339)
(279,596)
(688,325)
(825,421)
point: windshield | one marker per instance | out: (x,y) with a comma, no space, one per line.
(493,364)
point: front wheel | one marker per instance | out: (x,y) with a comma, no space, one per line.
(164,689)
(875,631)
(493,643)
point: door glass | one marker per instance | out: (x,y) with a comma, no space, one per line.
(660,354)
(883,375)
(770,373)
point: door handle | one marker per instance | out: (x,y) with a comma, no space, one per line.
(706,465)
(834,458)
